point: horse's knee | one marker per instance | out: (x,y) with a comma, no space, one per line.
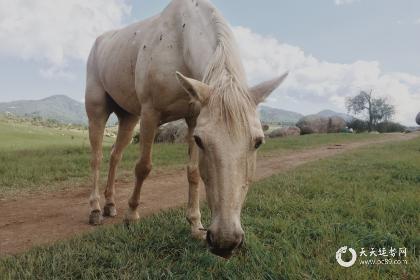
(115,156)
(193,175)
(95,160)
(142,170)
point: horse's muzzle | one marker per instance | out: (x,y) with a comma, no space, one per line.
(225,251)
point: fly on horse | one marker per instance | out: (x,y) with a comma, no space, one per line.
(135,72)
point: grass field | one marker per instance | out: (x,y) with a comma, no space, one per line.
(37,158)
(294,224)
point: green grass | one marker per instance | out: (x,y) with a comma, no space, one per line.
(23,136)
(314,140)
(294,224)
(37,158)
(34,158)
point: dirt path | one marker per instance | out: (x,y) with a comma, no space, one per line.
(41,219)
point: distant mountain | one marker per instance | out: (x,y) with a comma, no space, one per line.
(58,107)
(66,110)
(274,115)
(331,113)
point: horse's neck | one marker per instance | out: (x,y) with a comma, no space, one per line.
(199,34)
(203,27)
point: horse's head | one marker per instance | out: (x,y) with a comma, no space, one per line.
(228,133)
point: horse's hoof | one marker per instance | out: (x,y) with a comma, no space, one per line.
(95,218)
(131,217)
(110,210)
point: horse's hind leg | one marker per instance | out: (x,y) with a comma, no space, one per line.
(127,122)
(98,111)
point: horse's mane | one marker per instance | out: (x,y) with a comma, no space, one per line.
(225,74)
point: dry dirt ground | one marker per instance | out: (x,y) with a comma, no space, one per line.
(44,218)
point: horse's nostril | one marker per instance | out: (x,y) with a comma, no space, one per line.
(242,241)
(209,238)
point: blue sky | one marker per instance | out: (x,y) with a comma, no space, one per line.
(382,30)
(333,48)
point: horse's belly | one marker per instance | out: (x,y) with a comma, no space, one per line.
(118,82)
(122,90)
(116,61)
(175,111)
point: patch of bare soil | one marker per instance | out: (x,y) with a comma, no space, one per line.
(44,218)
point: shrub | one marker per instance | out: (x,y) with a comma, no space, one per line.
(359,126)
(136,138)
(265,127)
(385,127)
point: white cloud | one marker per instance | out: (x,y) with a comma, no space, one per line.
(54,32)
(408,21)
(314,85)
(344,2)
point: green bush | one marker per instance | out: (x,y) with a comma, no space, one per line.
(385,127)
(136,138)
(359,126)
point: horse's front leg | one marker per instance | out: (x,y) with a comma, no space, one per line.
(193,208)
(148,124)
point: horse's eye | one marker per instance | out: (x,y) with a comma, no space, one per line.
(258,143)
(199,142)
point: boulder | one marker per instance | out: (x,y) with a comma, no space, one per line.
(174,132)
(336,124)
(284,132)
(313,124)
(418,119)
(317,124)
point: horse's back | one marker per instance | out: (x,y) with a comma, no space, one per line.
(137,64)
(113,60)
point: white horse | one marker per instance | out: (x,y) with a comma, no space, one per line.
(135,72)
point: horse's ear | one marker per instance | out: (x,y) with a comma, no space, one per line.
(197,90)
(260,92)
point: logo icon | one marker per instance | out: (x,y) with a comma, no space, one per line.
(343,250)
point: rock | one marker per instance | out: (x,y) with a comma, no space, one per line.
(418,119)
(317,124)
(285,131)
(336,124)
(174,132)
(313,124)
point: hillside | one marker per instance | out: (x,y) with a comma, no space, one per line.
(67,110)
(274,115)
(331,113)
(58,107)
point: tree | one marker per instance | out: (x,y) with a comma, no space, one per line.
(358,126)
(376,109)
